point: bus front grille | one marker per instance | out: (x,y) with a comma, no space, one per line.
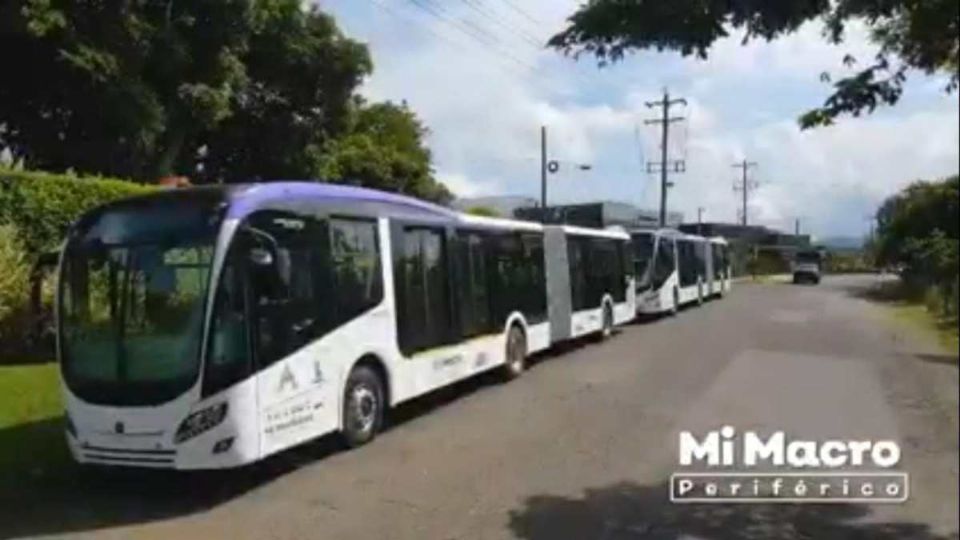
(128,457)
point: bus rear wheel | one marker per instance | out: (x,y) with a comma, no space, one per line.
(363,405)
(607,329)
(515,353)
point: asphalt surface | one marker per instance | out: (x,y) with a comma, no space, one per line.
(583,444)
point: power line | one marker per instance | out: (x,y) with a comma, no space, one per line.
(522,13)
(745,186)
(478,6)
(665,164)
(441,14)
(399,14)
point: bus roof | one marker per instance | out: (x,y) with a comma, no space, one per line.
(244,199)
(665,231)
(692,237)
(500,223)
(601,233)
(247,198)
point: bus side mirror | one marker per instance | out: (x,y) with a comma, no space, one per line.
(261,258)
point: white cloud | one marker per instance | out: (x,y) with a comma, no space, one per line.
(485,110)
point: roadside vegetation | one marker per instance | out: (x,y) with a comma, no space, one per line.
(917,235)
(35,210)
(218,91)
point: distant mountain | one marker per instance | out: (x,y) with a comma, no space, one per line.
(841,242)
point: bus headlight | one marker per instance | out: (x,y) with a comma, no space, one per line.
(200,421)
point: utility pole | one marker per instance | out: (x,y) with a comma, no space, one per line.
(796,227)
(543,174)
(665,164)
(700,210)
(745,186)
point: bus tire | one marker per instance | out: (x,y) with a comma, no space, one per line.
(606,330)
(515,353)
(363,406)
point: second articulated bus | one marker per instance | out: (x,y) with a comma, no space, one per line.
(212,327)
(674,269)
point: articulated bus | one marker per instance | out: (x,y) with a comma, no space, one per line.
(674,269)
(213,327)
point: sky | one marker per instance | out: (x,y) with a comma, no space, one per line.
(477,74)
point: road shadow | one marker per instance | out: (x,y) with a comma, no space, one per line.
(42,491)
(632,511)
(946,359)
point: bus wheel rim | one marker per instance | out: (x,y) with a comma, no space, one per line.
(514,354)
(364,406)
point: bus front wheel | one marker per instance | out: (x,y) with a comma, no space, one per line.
(363,404)
(516,353)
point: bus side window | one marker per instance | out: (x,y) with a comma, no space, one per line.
(474,283)
(534,294)
(287,307)
(355,260)
(578,278)
(423,308)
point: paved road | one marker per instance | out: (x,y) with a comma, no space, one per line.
(582,445)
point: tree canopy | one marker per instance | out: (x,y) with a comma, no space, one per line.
(910,34)
(919,228)
(218,90)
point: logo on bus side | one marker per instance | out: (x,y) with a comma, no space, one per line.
(287,377)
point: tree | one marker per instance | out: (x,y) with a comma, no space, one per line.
(116,87)
(484,211)
(910,34)
(301,74)
(218,90)
(383,149)
(917,229)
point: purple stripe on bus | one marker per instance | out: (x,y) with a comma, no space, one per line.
(251,197)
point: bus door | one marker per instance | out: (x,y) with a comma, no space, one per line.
(287,266)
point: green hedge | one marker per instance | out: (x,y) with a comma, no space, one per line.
(42,205)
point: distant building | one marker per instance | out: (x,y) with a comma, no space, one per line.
(751,234)
(598,214)
(754,242)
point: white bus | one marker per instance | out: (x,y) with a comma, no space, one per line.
(213,327)
(655,265)
(674,269)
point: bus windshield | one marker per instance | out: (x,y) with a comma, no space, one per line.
(643,249)
(133,289)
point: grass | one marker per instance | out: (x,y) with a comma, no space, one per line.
(918,317)
(909,311)
(29,393)
(32,446)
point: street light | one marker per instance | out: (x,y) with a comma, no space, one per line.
(551,167)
